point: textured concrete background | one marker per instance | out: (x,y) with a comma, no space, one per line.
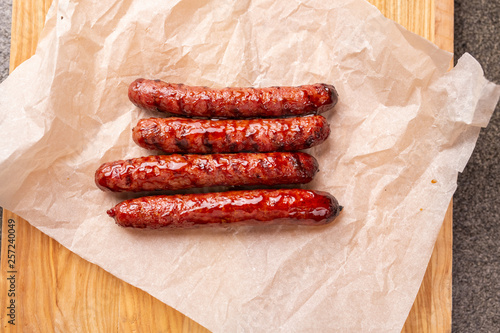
(476,243)
(5,22)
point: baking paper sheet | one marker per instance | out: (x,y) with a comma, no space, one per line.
(401,132)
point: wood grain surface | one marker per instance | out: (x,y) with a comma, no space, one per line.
(57,291)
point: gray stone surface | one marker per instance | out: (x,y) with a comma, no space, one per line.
(476,221)
(5,22)
(476,249)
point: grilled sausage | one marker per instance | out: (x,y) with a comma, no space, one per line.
(252,207)
(196,101)
(175,172)
(181,135)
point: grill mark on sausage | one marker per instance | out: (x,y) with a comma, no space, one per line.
(128,179)
(207,142)
(300,167)
(182,144)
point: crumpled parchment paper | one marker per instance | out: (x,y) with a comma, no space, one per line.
(402,122)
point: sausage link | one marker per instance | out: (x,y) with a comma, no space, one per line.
(175,172)
(197,101)
(181,135)
(253,207)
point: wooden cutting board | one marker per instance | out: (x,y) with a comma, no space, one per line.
(56,290)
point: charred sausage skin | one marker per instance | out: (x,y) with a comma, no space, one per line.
(182,135)
(251,207)
(198,101)
(175,172)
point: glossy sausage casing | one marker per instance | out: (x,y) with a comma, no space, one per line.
(252,207)
(175,172)
(181,135)
(196,101)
